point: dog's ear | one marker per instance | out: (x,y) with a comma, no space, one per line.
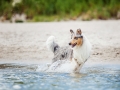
(72,33)
(78,32)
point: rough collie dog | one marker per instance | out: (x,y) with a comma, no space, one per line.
(69,59)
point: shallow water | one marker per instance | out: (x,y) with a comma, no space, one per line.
(25,77)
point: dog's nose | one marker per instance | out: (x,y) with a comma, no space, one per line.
(69,43)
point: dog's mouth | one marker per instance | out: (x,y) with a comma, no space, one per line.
(73,45)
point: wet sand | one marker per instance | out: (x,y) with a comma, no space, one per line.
(25,42)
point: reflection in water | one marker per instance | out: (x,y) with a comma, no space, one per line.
(25,77)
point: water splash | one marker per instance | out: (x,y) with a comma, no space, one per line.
(25,77)
(61,66)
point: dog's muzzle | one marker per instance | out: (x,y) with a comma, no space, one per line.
(73,44)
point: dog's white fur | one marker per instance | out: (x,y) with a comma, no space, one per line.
(80,53)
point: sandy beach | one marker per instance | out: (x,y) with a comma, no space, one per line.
(25,42)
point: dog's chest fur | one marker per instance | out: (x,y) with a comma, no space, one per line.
(77,54)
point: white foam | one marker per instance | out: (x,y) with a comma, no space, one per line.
(65,66)
(17,87)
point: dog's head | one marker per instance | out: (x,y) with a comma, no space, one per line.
(76,39)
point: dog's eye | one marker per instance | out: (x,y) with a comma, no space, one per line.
(76,38)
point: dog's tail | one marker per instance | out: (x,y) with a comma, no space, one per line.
(51,45)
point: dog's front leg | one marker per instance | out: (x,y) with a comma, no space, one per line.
(78,66)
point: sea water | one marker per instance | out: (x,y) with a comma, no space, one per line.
(26,77)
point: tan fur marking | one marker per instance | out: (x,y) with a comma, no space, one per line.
(77,41)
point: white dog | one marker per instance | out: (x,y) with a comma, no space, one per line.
(68,59)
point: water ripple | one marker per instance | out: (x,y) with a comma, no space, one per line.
(25,77)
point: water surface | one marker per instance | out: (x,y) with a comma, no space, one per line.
(25,77)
